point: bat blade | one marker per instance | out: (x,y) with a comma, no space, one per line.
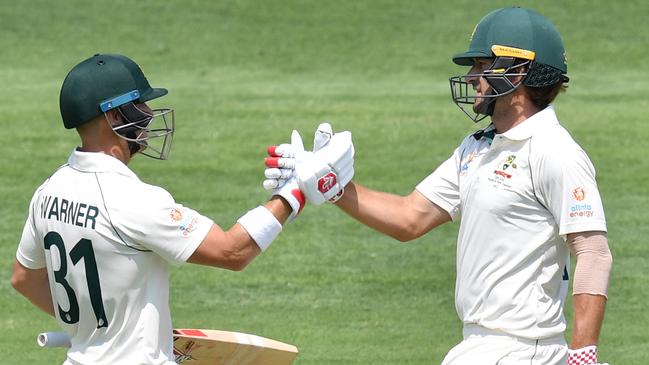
(210,347)
(203,347)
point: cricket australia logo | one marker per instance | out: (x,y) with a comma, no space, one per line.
(506,167)
(327,182)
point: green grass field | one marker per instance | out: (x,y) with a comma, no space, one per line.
(241,75)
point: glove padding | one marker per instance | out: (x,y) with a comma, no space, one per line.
(283,158)
(324,175)
(584,356)
(280,166)
(321,174)
(288,189)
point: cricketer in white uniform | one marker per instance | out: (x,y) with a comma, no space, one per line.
(517,195)
(98,242)
(107,240)
(525,195)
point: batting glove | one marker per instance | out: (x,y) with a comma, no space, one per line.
(283,159)
(583,356)
(323,176)
(280,166)
(282,162)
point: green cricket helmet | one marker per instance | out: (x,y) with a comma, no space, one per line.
(512,38)
(110,81)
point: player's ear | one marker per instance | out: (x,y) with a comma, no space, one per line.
(522,71)
(113,117)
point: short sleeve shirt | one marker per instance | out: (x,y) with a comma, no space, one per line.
(107,239)
(516,195)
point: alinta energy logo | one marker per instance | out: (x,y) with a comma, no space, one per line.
(580,210)
(188,225)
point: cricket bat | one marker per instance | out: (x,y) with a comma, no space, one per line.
(213,347)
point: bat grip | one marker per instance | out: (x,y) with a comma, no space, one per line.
(53,339)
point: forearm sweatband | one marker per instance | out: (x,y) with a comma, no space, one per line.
(261,225)
(594,262)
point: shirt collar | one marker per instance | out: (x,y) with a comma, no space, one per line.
(98,162)
(532,125)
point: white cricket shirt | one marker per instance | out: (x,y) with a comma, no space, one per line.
(106,239)
(517,196)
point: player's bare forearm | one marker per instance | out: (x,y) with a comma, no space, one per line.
(589,314)
(401,217)
(235,248)
(232,250)
(279,207)
(33,285)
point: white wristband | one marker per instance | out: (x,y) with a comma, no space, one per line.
(261,225)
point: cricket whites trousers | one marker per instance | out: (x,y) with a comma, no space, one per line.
(482,346)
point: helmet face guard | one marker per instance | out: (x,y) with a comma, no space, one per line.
(499,76)
(149,133)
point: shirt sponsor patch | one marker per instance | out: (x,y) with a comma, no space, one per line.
(579,193)
(578,210)
(188,225)
(175,214)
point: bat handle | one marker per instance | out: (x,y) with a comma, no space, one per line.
(53,339)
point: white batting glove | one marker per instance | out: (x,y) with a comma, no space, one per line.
(322,136)
(282,163)
(324,175)
(280,166)
(321,174)
(583,356)
(283,158)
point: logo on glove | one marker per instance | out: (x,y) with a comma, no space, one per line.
(327,182)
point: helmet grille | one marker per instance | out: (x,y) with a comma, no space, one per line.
(541,75)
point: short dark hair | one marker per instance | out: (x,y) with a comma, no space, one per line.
(542,96)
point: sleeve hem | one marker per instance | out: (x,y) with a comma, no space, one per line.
(191,247)
(441,202)
(28,263)
(582,227)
